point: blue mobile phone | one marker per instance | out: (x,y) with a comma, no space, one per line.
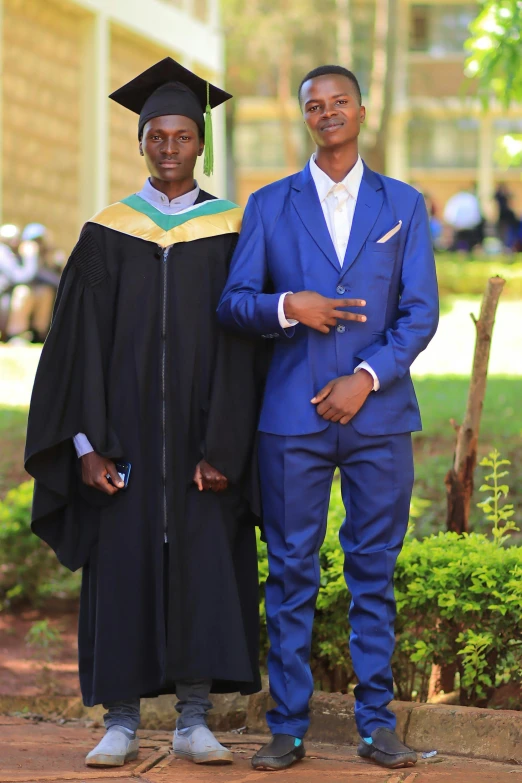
(124,469)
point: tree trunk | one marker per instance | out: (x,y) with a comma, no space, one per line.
(284,96)
(459,480)
(382,83)
(442,679)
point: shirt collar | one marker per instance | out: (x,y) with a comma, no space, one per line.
(160,200)
(324,184)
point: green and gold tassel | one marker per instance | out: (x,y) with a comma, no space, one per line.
(208,160)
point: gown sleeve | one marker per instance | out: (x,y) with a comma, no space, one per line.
(69,396)
(237,387)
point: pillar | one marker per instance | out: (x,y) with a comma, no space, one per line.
(1,108)
(485,172)
(95,161)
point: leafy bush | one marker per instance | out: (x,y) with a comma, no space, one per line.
(29,570)
(459,598)
(459,601)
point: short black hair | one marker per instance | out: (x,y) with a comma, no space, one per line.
(326,70)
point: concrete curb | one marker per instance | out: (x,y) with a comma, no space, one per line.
(229,712)
(495,735)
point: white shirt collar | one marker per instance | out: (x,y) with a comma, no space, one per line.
(158,199)
(323,183)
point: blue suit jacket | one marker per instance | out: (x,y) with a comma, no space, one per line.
(284,245)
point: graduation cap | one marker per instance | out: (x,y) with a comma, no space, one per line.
(169,88)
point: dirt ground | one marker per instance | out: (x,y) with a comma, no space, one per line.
(42,751)
(27,670)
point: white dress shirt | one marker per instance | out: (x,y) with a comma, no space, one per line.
(338,200)
(159,200)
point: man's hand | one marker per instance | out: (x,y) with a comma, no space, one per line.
(319,312)
(207,477)
(343,397)
(95,470)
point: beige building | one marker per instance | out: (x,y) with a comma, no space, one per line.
(439,138)
(65,149)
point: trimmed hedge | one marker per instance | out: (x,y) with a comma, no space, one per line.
(462,277)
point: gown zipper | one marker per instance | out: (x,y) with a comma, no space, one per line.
(164,391)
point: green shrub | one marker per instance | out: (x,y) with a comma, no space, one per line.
(459,602)
(458,276)
(29,570)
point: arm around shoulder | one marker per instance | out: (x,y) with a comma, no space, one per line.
(244,305)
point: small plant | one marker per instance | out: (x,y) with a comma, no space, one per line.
(477,655)
(495,510)
(42,636)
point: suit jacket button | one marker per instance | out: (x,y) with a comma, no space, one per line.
(341,328)
(340,289)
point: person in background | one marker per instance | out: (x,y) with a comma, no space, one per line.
(507,221)
(15,272)
(462,212)
(32,302)
(435,222)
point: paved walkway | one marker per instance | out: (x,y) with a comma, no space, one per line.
(31,752)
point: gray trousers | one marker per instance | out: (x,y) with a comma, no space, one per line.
(193,705)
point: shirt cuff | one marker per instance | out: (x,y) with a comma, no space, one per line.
(82,445)
(284,322)
(366,366)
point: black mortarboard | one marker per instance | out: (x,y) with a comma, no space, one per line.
(169,88)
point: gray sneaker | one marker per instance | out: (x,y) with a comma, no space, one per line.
(115,748)
(201,747)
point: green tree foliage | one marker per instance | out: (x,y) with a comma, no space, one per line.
(495,61)
(495,48)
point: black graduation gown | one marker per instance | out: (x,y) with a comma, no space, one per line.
(136,360)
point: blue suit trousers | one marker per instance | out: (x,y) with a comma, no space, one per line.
(376,483)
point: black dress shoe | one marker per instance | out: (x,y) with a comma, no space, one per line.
(280,753)
(387,750)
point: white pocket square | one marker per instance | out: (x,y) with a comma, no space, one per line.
(391,233)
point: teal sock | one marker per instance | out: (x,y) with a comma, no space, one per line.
(297,742)
(368,740)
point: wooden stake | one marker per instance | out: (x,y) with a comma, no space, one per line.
(459,480)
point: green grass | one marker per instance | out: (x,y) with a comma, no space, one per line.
(13,422)
(444,397)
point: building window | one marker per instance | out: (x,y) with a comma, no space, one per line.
(435,143)
(258,145)
(363,20)
(439,30)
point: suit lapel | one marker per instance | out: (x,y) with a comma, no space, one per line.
(308,207)
(369,204)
